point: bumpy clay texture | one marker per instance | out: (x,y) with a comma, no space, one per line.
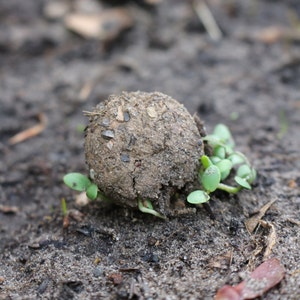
(142,146)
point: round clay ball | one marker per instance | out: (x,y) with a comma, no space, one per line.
(142,146)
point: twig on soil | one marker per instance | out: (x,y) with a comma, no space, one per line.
(206,17)
(293,221)
(271,240)
(30,132)
(9,209)
(252,222)
(86,91)
(90,113)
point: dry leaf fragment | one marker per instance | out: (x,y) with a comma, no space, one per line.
(9,209)
(116,278)
(270,35)
(106,25)
(274,34)
(271,240)
(264,277)
(30,132)
(222,261)
(252,222)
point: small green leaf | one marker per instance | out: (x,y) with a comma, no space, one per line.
(147,210)
(211,178)
(198,197)
(77,181)
(242,182)
(213,140)
(215,159)
(64,207)
(224,166)
(224,134)
(252,176)
(236,158)
(228,149)
(148,204)
(222,131)
(219,151)
(244,171)
(92,191)
(206,162)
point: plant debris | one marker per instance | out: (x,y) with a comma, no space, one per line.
(30,132)
(105,26)
(264,277)
(252,222)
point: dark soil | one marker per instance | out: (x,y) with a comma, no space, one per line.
(248,80)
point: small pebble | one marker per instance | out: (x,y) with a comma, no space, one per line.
(105,122)
(119,115)
(98,272)
(151,112)
(126,116)
(125,157)
(108,134)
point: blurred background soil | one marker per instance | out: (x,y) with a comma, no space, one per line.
(60,58)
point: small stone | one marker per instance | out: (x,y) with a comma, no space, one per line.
(120,116)
(35,246)
(126,116)
(92,174)
(43,286)
(125,157)
(105,122)
(108,134)
(109,145)
(98,272)
(151,112)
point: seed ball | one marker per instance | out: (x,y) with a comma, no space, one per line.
(142,146)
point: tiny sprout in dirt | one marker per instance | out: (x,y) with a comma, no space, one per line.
(218,167)
(81,183)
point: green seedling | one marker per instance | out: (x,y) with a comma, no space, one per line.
(64,207)
(218,167)
(146,206)
(212,176)
(81,183)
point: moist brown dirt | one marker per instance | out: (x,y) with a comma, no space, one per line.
(142,146)
(246,80)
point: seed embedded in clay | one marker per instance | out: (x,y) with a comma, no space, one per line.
(142,146)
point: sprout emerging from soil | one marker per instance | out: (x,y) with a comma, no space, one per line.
(217,168)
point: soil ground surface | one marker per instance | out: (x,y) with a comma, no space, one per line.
(248,79)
